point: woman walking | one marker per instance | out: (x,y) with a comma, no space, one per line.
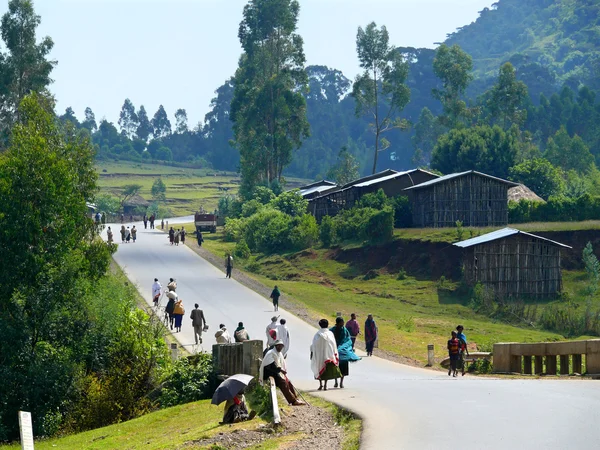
(122,234)
(171,235)
(370,334)
(134,233)
(182,236)
(324,358)
(176,237)
(178,312)
(344,348)
(170,308)
(109,233)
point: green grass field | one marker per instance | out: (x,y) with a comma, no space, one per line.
(410,313)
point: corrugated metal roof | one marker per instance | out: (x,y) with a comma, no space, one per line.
(388,177)
(376,176)
(501,234)
(318,183)
(314,189)
(456,175)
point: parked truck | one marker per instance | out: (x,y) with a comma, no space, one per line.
(205,222)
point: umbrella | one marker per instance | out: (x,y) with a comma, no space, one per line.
(230,388)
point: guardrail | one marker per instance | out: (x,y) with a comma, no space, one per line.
(276,416)
(548,358)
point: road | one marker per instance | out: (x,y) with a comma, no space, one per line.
(403,407)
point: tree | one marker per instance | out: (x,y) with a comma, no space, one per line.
(290,203)
(592,269)
(49,258)
(163,154)
(69,116)
(453,67)
(25,68)
(268,110)
(427,132)
(107,204)
(128,119)
(128,191)
(569,153)
(144,129)
(346,169)
(507,97)
(159,190)
(218,129)
(181,121)
(90,120)
(380,92)
(540,176)
(160,123)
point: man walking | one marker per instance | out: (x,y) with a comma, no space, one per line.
(228,265)
(284,335)
(156,288)
(198,322)
(275,296)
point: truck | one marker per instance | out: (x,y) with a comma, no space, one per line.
(205,222)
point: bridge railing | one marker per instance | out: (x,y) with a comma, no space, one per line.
(548,358)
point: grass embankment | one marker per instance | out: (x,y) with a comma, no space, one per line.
(410,312)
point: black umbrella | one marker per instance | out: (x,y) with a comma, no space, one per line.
(230,388)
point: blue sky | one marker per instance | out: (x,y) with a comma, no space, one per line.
(178,52)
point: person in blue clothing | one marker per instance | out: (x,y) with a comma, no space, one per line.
(344,347)
(462,339)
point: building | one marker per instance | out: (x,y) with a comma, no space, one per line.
(474,198)
(316,189)
(513,263)
(392,182)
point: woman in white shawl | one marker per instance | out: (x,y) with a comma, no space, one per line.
(324,359)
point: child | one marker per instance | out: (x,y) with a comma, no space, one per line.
(454,353)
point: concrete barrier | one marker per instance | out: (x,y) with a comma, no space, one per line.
(241,357)
(547,357)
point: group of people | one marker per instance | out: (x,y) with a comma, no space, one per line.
(127,235)
(175,235)
(150,220)
(457,348)
(174,310)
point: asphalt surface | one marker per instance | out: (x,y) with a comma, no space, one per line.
(403,407)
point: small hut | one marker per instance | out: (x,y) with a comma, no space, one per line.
(513,264)
(474,198)
(137,201)
(392,182)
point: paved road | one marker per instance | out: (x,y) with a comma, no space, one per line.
(403,407)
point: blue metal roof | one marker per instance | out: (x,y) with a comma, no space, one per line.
(501,234)
(457,175)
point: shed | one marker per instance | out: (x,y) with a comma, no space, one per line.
(137,201)
(513,263)
(474,198)
(316,189)
(392,182)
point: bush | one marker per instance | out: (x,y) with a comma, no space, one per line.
(242,250)
(291,203)
(327,231)
(375,200)
(380,226)
(187,381)
(234,229)
(304,232)
(401,274)
(402,212)
(251,207)
(268,231)
(557,209)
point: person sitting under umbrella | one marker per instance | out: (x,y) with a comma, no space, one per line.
(232,391)
(236,410)
(273,365)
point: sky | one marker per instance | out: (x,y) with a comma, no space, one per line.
(178,52)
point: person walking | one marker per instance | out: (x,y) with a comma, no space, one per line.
(275,296)
(199,238)
(172,286)
(354,329)
(145,222)
(198,322)
(462,339)
(182,236)
(122,234)
(370,334)
(176,238)
(156,289)
(344,347)
(178,312)
(284,335)
(162,224)
(228,265)
(271,326)
(109,234)
(127,235)
(453,353)
(324,359)
(133,233)
(171,235)
(273,365)
(240,334)
(222,335)
(122,218)
(170,308)
(152,218)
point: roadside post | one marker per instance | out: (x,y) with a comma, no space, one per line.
(26,430)
(430,356)
(174,352)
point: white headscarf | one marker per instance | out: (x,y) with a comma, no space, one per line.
(324,350)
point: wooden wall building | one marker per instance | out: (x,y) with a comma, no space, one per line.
(513,263)
(392,182)
(474,198)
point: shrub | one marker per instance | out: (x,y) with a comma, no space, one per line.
(291,203)
(327,231)
(304,232)
(251,207)
(242,250)
(380,226)
(402,212)
(375,200)
(252,265)
(406,324)
(557,209)
(187,381)
(268,231)
(401,274)
(234,229)
(263,194)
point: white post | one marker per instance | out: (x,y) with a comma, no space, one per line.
(174,352)
(276,416)
(26,430)
(338,314)
(430,356)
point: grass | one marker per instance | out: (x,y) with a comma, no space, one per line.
(165,429)
(410,313)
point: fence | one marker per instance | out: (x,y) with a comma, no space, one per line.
(548,358)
